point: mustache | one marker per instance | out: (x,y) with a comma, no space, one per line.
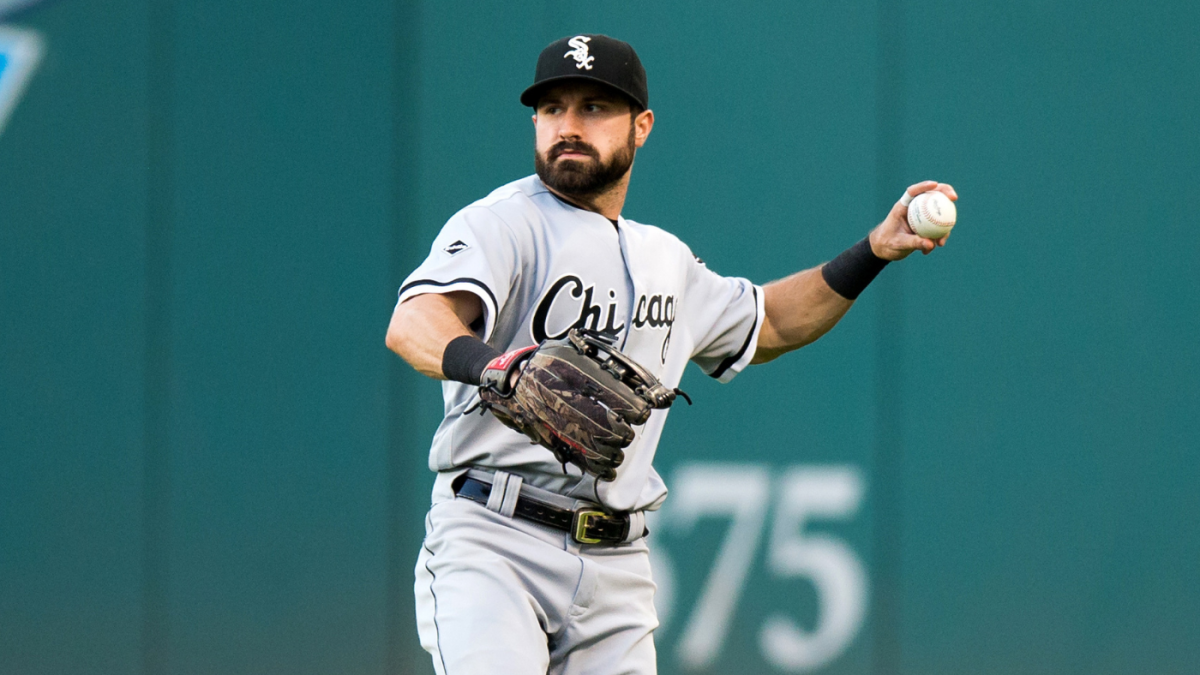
(558,149)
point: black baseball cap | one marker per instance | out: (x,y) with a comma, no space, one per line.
(598,58)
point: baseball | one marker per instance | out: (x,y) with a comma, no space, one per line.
(931,214)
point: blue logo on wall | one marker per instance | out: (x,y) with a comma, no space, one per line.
(20,51)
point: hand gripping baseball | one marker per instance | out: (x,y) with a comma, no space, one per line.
(578,396)
(893,239)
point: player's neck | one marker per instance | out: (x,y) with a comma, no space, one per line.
(608,203)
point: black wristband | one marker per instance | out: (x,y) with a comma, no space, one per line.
(850,273)
(465,358)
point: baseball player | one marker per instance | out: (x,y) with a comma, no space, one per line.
(536,561)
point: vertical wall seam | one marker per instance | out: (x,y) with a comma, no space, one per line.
(889,350)
(159,225)
(402,403)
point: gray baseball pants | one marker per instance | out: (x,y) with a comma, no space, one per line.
(503,596)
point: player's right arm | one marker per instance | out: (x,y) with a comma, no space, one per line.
(423,325)
(448,307)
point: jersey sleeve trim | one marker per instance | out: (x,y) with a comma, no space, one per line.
(490,310)
(734,364)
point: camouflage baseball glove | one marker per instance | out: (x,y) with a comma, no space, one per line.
(578,396)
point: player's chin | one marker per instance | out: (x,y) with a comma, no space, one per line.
(572,177)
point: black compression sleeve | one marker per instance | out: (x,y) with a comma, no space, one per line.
(849,273)
(465,358)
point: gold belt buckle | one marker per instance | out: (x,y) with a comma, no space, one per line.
(579,527)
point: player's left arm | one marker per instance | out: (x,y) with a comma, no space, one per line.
(803,307)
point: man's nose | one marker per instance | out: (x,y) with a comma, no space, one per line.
(570,126)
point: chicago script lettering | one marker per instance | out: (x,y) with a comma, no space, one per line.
(655,312)
(587,315)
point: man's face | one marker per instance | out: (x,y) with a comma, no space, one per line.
(586,138)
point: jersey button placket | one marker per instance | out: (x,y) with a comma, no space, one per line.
(632,285)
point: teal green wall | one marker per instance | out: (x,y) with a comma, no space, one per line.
(210,463)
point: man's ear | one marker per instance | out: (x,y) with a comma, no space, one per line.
(642,124)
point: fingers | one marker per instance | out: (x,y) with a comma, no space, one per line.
(948,190)
(923,186)
(926,186)
(912,242)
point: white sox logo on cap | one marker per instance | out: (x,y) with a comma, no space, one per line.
(580,52)
(598,58)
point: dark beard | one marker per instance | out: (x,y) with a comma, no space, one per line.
(583,179)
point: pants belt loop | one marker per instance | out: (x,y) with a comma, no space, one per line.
(637,526)
(499,483)
(512,490)
(505,489)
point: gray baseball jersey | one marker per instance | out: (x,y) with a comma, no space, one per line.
(540,266)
